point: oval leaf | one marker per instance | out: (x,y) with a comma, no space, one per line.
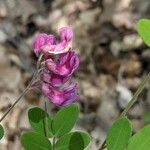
(73,141)
(143,27)
(35,141)
(141,140)
(40,121)
(1,132)
(65,119)
(119,134)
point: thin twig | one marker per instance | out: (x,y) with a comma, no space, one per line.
(6,113)
(34,77)
(132,102)
(135,96)
(19,98)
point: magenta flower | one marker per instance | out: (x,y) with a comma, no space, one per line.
(66,64)
(61,97)
(41,40)
(59,63)
(66,34)
(47,44)
(54,80)
(65,44)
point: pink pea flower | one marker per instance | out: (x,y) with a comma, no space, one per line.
(61,97)
(58,63)
(66,64)
(64,45)
(41,40)
(54,80)
(47,44)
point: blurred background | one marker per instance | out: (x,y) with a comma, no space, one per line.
(113,57)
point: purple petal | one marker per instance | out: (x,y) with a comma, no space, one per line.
(52,66)
(59,48)
(66,65)
(73,96)
(61,97)
(41,40)
(54,79)
(66,34)
(51,40)
(64,45)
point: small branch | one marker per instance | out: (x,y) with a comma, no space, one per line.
(19,98)
(6,113)
(132,102)
(135,96)
(26,89)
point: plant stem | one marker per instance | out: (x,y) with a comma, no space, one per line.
(26,89)
(53,146)
(132,102)
(135,96)
(19,98)
(45,121)
(103,145)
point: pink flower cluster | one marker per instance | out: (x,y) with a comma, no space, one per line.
(60,62)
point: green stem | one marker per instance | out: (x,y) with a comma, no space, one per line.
(45,122)
(131,103)
(135,96)
(53,146)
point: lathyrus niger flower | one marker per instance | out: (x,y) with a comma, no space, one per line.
(60,62)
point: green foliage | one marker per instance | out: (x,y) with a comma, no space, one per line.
(73,141)
(60,126)
(143,28)
(119,134)
(35,141)
(40,121)
(65,119)
(1,132)
(146,117)
(141,140)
